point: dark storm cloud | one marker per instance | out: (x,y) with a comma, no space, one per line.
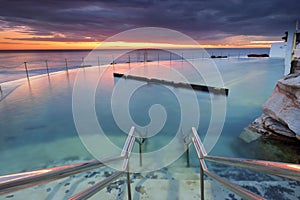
(201,19)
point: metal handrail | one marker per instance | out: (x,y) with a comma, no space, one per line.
(140,140)
(286,170)
(233,187)
(14,182)
(96,188)
(127,149)
(127,142)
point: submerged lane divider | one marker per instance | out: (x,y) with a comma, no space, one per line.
(204,88)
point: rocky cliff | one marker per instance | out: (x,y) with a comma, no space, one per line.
(281,112)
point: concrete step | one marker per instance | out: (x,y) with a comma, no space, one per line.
(171,183)
(152,189)
(170,174)
(140,189)
(271,190)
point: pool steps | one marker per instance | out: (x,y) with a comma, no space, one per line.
(157,187)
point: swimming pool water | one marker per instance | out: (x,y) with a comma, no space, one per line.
(37,127)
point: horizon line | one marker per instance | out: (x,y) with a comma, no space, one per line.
(130,48)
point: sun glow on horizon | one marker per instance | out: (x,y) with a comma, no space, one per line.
(18,40)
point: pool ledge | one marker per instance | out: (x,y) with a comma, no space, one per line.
(8,87)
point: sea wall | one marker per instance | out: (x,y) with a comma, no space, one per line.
(281,112)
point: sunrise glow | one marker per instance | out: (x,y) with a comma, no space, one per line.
(16,39)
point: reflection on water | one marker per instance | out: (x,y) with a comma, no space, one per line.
(37,128)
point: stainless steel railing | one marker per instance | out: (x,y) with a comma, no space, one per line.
(126,151)
(286,170)
(97,187)
(15,182)
(291,171)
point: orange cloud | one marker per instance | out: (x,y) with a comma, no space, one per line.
(18,40)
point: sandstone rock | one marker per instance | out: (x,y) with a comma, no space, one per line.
(283,107)
(295,68)
(267,126)
(258,127)
(279,125)
(276,127)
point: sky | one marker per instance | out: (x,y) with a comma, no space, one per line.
(83,24)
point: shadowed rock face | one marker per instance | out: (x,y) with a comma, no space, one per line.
(272,147)
(282,110)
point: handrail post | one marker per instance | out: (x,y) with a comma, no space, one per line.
(128,182)
(25,64)
(201,181)
(127,149)
(47,67)
(140,141)
(187,155)
(140,152)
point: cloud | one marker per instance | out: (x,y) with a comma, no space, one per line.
(56,39)
(10,43)
(97,20)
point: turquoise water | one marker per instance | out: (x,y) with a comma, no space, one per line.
(37,127)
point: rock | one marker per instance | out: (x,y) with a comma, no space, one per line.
(284,104)
(276,127)
(267,126)
(281,110)
(279,125)
(249,136)
(295,68)
(258,127)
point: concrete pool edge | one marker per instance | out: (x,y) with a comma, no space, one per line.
(8,87)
